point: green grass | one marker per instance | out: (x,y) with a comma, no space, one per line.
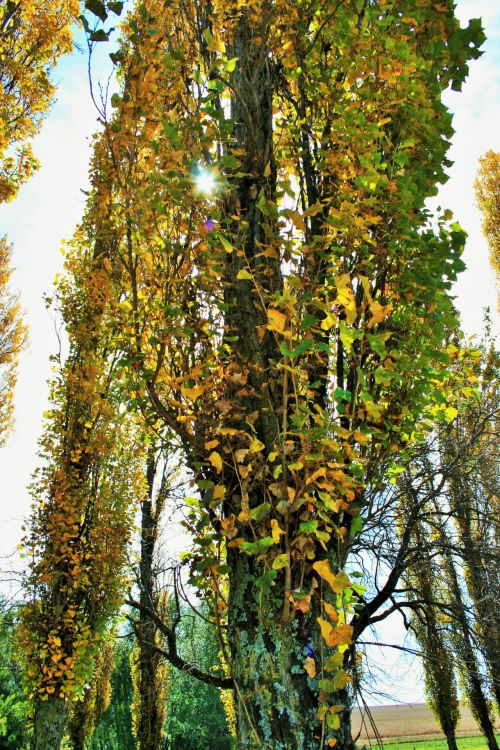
(464,743)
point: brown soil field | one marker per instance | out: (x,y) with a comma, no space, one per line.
(408,720)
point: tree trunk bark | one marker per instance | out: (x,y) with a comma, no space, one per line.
(150,698)
(276,701)
(50,721)
(472,677)
(448,728)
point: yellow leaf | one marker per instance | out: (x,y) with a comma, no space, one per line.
(345,297)
(326,628)
(337,582)
(328,322)
(379,313)
(334,662)
(193,393)
(322,712)
(244,274)
(267,169)
(331,611)
(342,582)
(227,431)
(277,320)
(228,528)
(219,492)
(340,636)
(216,461)
(211,444)
(276,531)
(341,679)
(310,667)
(256,446)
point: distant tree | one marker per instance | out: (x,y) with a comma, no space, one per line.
(195,715)
(473,501)
(114,727)
(33,35)
(428,623)
(12,339)
(14,705)
(452,579)
(91,473)
(487,186)
(85,713)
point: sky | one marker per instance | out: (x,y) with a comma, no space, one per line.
(49,207)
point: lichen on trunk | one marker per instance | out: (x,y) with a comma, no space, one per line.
(50,721)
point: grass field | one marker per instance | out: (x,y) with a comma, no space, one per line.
(413,722)
(464,743)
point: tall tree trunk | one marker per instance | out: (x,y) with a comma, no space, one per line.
(431,632)
(276,700)
(50,721)
(466,652)
(150,678)
(488,617)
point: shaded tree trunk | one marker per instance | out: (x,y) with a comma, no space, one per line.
(149,698)
(276,700)
(50,721)
(466,653)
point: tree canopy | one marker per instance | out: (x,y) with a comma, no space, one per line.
(258,277)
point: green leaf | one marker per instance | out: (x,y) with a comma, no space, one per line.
(225,243)
(301,348)
(116,7)
(342,394)
(243,274)
(116,57)
(99,36)
(97,8)
(257,548)
(308,526)
(231,64)
(208,36)
(260,511)
(356,525)
(267,578)
(450,413)
(281,561)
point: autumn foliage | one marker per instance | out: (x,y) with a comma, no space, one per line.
(33,35)
(487,187)
(12,337)
(286,324)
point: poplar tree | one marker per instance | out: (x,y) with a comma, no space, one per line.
(487,187)
(280,297)
(33,35)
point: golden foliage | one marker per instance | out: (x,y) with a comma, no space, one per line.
(33,35)
(12,339)
(487,186)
